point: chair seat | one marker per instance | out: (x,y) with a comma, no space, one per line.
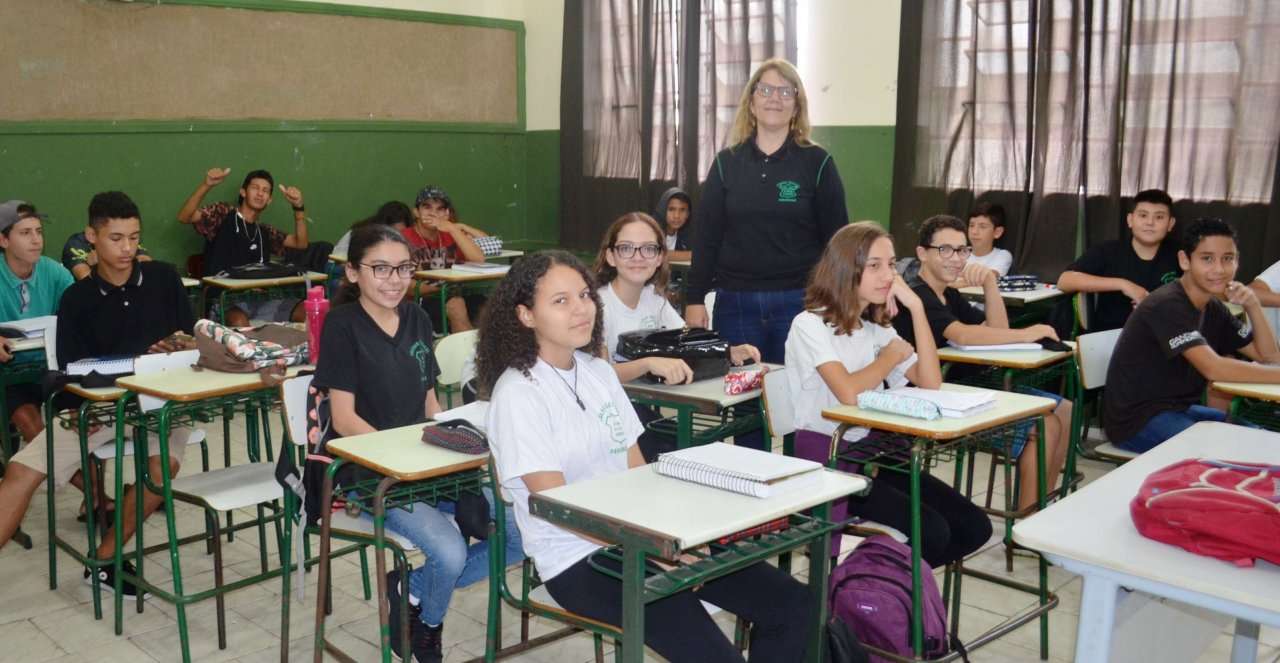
(540,595)
(341,522)
(1109,449)
(108,451)
(234,487)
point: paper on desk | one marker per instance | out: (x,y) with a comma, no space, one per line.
(954,404)
(996,348)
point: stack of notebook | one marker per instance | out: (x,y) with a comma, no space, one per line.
(928,403)
(739,469)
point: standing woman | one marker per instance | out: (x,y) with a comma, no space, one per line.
(769,204)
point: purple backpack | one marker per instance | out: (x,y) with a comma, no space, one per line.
(871,592)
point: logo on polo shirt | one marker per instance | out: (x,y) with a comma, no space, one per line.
(420,352)
(1168,277)
(612,419)
(1183,339)
(788,191)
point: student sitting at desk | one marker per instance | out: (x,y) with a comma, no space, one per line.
(31,286)
(1124,272)
(942,251)
(1181,337)
(674,210)
(632,265)
(146,299)
(439,240)
(234,237)
(79,256)
(986,227)
(558,415)
(381,374)
(841,345)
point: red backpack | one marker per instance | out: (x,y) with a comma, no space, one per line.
(1218,508)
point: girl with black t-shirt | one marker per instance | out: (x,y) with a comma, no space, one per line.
(380,373)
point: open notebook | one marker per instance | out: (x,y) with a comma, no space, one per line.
(739,469)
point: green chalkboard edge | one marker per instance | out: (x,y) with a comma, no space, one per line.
(54,127)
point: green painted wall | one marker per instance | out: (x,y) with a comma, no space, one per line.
(542,195)
(344,175)
(864,155)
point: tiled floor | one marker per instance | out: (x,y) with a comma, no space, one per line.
(37,624)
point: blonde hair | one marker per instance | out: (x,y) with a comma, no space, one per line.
(744,123)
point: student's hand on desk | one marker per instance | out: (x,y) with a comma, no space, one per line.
(215,176)
(1242,295)
(695,315)
(292,194)
(6,352)
(1036,332)
(739,354)
(672,371)
(1134,292)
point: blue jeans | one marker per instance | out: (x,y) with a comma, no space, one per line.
(761,318)
(1169,423)
(450,562)
(1023,429)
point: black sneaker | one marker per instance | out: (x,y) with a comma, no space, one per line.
(106,580)
(427,642)
(393,597)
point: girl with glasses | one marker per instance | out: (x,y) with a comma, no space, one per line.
(380,373)
(632,268)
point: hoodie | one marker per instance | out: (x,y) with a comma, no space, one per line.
(683,235)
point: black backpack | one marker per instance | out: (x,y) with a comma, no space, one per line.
(262,270)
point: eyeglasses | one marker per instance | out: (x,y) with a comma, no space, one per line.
(946,251)
(785,91)
(629,250)
(382,271)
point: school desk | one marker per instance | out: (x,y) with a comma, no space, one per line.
(504,254)
(239,290)
(446,278)
(650,515)
(408,471)
(1253,402)
(191,397)
(1091,533)
(937,440)
(1016,298)
(704,413)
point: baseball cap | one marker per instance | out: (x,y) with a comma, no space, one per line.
(9,214)
(432,192)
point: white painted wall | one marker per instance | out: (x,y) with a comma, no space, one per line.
(543,21)
(848,58)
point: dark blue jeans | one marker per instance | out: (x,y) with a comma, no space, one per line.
(761,318)
(1171,422)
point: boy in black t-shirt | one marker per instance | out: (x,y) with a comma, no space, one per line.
(942,251)
(1124,272)
(125,307)
(1179,338)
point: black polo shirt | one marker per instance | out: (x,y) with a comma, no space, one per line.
(388,375)
(1117,259)
(1148,374)
(940,313)
(764,219)
(98,319)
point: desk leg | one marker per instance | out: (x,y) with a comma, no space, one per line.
(175,563)
(819,567)
(1042,501)
(684,426)
(322,562)
(380,562)
(1097,617)
(117,560)
(633,603)
(917,588)
(444,308)
(1244,646)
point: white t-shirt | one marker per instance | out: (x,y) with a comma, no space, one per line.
(653,311)
(535,425)
(999,260)
(1271,277)
(811,343)
(671,242)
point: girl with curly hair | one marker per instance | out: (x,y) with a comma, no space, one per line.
(558,415)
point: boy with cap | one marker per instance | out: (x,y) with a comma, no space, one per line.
(148,300)
(31,286)
(439,240)
(233,237)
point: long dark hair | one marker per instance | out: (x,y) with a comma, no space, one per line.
(504,341)
(363,239)
(606,273)
(390,213)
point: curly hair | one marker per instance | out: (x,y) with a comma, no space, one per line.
(504,342)
(606,273)
(833,285)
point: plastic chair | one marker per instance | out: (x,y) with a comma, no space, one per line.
(452,353)
(1093,356)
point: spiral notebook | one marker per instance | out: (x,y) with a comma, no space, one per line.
(739,469)
(115,365)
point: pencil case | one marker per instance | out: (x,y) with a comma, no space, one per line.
(907,406)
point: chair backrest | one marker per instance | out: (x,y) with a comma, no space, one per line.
(710,302)
(1081,302)
(293,400)
(452,352)
(160,363)
(1093,355)
(778,410)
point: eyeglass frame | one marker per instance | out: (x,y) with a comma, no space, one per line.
(404,270)
(946,251)
(627,251)
(766,91)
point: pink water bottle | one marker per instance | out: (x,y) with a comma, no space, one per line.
(317,308)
